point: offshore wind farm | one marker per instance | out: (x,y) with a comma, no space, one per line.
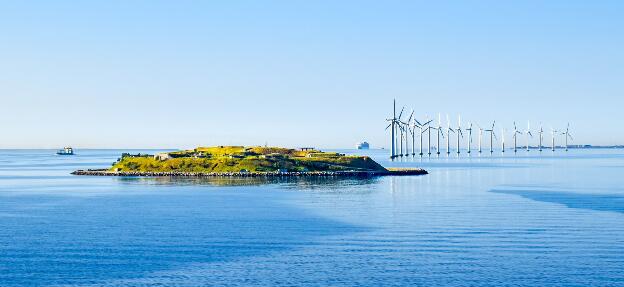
(402,131)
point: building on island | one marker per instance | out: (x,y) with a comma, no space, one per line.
(162,156)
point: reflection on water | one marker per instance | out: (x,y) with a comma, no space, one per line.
(286,182)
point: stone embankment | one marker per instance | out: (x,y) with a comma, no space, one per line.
(400,172)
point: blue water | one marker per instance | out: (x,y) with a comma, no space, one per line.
(513,220)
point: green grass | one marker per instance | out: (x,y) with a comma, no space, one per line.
(252,159)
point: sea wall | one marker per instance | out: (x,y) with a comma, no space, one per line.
(103,172)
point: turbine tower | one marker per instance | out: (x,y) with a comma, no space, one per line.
(541,136)
(515,137)
(459,134)
(480,137)
(492,136)
(407,133)
(429,136)
(469,129)
(439,129)
(421,135)
(394,122)
(412,127)
(528,133)
(429,129)
(448,134)
(567,135)
(503,139)
(552,132)
(401,130)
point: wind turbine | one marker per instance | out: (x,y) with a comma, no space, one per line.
(459,133)
(448,134)
(469,137)
(400,125)
(417,123)
(393,123)
(412,127)
(541,137)
(503,139)
(515,137)
(480,136)
(402,130)
(439,129)
(528,133)
(429,142)
(492,136)
(428,129)
(567,135)
(552,132)
(410,130)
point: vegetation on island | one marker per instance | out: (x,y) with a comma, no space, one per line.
(222,159)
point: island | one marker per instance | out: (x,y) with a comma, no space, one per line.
(247,162)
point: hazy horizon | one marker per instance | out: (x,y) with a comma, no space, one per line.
(157,74)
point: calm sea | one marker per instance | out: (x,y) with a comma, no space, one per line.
(513,220)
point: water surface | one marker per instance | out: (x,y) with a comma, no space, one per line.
(527,219)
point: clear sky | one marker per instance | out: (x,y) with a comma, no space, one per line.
(177,74)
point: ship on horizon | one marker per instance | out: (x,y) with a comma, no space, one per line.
(362,145)
(66,151)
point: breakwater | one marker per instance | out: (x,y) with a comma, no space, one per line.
(398,172)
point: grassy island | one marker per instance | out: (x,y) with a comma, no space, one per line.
(246,161)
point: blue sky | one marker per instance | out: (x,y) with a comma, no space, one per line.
(177,74)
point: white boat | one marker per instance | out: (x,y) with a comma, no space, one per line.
(66,151)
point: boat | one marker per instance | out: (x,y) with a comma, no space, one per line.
(66,151)
(363,145)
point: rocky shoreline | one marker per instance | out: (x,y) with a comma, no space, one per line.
(399,172)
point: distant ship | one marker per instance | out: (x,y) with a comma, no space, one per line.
(66,151)
(363,145)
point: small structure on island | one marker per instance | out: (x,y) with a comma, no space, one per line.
(362,145)
(162,156)
(274,155)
